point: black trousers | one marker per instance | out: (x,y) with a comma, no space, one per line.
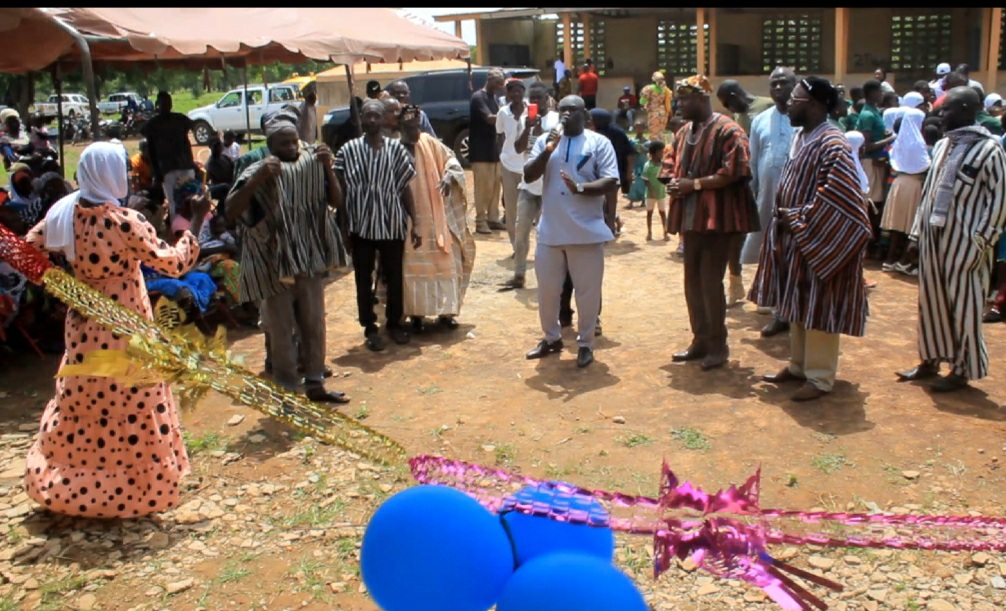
(566,300)
(365,254)
(706,258)
(590,102)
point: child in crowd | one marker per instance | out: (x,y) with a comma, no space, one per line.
(637,192)
(656,191)
(232,148)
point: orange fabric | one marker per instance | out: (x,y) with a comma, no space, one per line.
(588,83)
(140,171)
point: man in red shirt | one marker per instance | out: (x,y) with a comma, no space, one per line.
(588,87)
(627,104)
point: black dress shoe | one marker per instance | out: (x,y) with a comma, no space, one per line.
(785,375)
(544,348)
(418,325)
(775,328)
(448,323)
(318,394)
(584,357)
(692,353)
(715,359)
(399,335)
(949,383)
(922,372)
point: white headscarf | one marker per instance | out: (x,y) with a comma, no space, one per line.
(102,179)
(891,115)
(909,155)
(856,141)
(912,99)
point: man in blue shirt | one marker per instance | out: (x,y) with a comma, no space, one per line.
(579,168)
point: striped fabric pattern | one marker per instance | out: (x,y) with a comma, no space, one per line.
(722,148)
(813,273)
(374,181)
(955,260)
(295,232)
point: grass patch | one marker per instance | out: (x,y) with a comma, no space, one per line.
(52,593)
(363,413)
(634,440)
(432,389)
(691,439)
(313,516)
(208,442)
(829,463)
(309,572)
(233,572)
(504,454)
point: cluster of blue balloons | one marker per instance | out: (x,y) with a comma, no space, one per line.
(434,548)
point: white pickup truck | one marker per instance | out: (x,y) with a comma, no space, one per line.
(74,105)
(229,112)
(117,101)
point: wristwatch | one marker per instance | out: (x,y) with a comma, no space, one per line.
(697,183)
(579,188)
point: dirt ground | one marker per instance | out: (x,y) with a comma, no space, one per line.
(470,394)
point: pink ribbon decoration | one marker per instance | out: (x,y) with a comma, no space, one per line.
(725,533)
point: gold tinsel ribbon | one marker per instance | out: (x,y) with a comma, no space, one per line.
(184,357)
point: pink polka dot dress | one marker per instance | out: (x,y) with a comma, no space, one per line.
(106,449)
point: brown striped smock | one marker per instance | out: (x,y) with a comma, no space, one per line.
(722,148)
(813,272)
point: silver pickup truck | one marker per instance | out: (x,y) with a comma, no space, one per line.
(117,101)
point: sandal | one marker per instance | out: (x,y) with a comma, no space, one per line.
(318,394)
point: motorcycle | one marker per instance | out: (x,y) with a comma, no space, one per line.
(133,122)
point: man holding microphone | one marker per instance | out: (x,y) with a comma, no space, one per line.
(578,168)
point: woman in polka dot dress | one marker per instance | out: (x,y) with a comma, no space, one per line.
(106,449)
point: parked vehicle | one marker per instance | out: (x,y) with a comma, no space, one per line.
(445,96)
(74,105)
(229,113)
(302,83)
(117,101)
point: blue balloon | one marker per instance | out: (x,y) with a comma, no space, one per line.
(434,548)
(570,582)
(533,536)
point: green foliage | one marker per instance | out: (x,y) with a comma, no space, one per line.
(149,81)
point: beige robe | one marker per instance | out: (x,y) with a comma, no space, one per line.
(436,275)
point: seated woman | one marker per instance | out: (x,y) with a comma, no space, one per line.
(219,257)
(21,195)
(219,173)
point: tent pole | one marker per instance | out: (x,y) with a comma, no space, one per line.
(87,67)
(244,75)
(353,110)
(57,81)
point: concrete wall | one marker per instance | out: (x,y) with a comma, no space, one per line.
(632,44)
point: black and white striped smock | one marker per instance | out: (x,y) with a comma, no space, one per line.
(374,182)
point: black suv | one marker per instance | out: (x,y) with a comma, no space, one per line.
(444,95)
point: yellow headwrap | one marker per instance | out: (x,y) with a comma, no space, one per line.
(695,84)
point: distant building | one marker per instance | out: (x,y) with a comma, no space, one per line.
(844,44)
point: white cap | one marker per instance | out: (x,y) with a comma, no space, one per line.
(943,69)
(992,99)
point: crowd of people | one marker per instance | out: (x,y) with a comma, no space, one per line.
(805,184)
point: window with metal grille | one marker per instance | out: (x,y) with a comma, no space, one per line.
(1002,41)
(919,42)
(677,48)
(597,50)
(794,41)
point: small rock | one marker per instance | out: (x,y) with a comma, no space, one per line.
(877,595)
(688,565)
(489,448)
(852,560)
(910,474)
(964,578)
(940,605)
(235,420)
(180,586)
(618,419)
(998,583)
(820,562)
(338,587)
(470,335)
(158,540)
(707,589)
(31,584)
(980,559)
(29,427)
(154,591)
(257,438)
(87,602)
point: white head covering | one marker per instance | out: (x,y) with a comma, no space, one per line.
(912,99)
(102,179)
(909,154)
(856,141)
(891,115)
